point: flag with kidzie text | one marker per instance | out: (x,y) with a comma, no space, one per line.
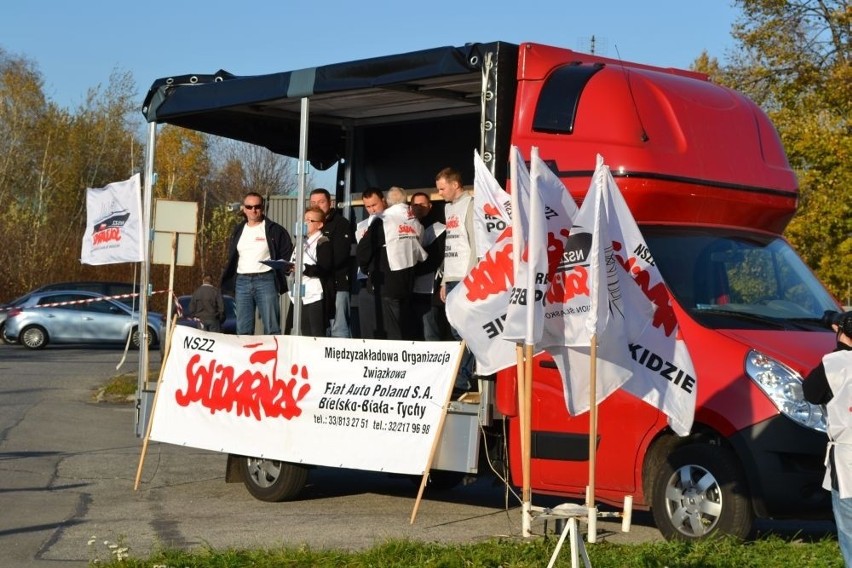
(607,286)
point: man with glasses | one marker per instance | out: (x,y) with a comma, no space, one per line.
(257,286)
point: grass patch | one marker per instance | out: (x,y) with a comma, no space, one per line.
(513,553)
(122,388)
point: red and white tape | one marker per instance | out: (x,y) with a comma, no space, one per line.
(90,300)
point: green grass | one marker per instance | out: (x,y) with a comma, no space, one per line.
(720,553)
(121,388)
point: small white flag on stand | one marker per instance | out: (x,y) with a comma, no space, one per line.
(113,224)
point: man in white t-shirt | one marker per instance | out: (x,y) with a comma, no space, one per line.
(257,286)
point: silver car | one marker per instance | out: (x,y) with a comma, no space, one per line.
(75,316)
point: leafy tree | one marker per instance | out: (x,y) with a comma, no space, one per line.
(794,62)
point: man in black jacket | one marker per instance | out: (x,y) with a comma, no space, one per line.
(387,254)
(207,305)
(338,231)
(257,286)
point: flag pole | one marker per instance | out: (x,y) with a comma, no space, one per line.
(593,437)
(526,440)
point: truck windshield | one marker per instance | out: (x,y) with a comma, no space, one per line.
(727,279)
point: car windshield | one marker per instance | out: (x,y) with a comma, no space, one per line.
(728,279)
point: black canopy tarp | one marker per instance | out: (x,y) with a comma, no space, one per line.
(264,109)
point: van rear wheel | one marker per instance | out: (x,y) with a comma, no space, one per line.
(700,492)
(272,480)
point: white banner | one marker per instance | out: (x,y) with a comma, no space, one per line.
(113,224)
(351,403)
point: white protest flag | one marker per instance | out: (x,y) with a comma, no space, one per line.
(490,206)
(113,223)
(476,308)
(618,294)
(515,325)
(551,214)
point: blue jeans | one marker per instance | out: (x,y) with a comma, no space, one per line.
(465,380)
(340,323)
(843,518)
(257,292)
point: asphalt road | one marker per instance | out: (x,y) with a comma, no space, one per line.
(68,465)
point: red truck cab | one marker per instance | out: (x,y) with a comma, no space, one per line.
(706,177)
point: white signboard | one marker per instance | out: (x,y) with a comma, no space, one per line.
(351,403)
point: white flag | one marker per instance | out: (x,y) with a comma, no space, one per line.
(476,307)
(551,214)
(113,224)
(490,205)
(610,286)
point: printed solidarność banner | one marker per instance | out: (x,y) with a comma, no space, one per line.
(365,404)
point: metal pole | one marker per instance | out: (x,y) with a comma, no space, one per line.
(144,278)
(300,217)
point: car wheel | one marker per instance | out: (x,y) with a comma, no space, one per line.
(136,341)
(33,337)
(700,492)
(272,480)
(3,337)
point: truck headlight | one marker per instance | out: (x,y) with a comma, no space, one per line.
(783,386)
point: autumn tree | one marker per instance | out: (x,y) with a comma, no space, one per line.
(48,157)
(794,61)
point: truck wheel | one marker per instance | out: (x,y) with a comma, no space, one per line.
(439,479)
(699,492)
(271,480)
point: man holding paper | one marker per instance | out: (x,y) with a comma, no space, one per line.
(255,284)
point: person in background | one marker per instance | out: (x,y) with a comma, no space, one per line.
(256,286)
(387,253)
(336,228)
(459,255)
(830,383)
(317,277)
(431,319)
(207,305)
(368,304)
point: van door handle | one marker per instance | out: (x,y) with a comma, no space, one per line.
(547,364)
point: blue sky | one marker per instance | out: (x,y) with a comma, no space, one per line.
(76,45)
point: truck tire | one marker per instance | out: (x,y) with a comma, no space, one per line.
(699,492)
(439,479)
(271,480)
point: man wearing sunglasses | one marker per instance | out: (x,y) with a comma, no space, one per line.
(256,286)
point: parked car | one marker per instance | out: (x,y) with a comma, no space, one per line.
(106,288)
(76,316)
(228,326)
